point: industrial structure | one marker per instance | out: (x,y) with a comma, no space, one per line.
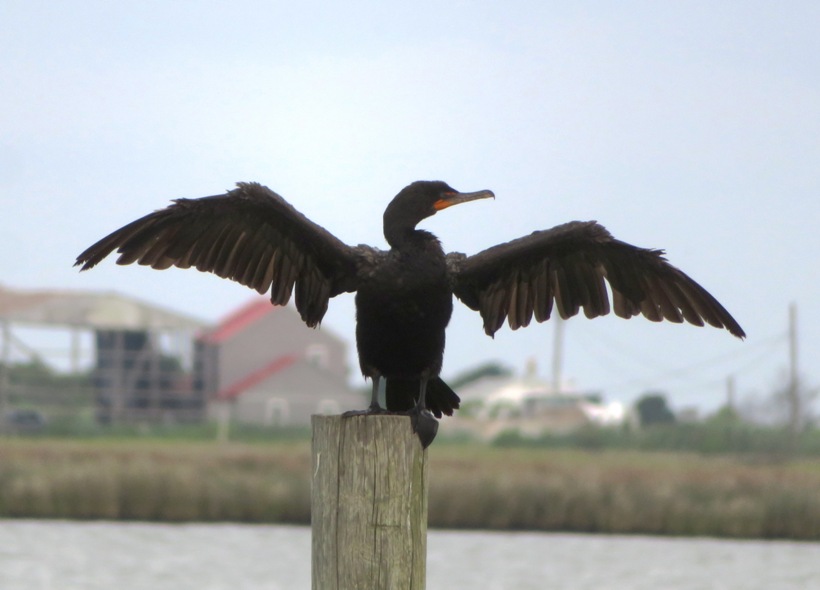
(148,364)
(137,360)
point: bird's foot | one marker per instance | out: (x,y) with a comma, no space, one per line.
(424,424)
(370,411)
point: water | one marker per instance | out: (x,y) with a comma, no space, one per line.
(46,555)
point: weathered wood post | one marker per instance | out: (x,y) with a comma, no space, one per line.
(368,504)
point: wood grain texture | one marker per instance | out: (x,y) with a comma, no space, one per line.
(368,504)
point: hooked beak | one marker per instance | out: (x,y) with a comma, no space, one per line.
(449,199)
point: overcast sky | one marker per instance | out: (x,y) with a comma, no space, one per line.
(688,126)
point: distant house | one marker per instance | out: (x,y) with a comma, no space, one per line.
(271,368)
(529,405)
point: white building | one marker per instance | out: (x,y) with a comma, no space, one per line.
(530,405)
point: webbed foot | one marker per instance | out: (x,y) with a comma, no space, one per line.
(370,411)
(424,424)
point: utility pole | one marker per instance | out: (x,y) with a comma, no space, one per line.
(5,359)
(793,392)
(557,353)
(730,393)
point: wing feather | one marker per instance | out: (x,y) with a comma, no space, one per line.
(524,303)
(250,235)
(542,306)
(568,268)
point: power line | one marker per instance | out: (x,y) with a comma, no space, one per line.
(679,374)
(642,360)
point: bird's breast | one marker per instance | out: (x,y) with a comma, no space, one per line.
(405,290)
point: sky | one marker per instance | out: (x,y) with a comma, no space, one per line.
(688,126)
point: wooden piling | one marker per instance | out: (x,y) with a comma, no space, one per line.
(368,504)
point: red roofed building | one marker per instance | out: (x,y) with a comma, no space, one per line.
(272,368)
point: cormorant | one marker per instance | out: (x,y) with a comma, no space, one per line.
(404,295)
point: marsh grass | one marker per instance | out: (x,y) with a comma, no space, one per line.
(471,487)
(151,481)
(627,492)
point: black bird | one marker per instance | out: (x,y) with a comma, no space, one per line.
(404,295)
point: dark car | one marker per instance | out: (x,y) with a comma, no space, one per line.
(25,421)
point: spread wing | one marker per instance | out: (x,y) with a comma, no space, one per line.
(566,268)
(250,235)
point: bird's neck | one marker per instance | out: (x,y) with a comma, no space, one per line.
(399,233)
(400,225)
(410,238)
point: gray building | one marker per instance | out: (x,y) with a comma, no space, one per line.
(269,368)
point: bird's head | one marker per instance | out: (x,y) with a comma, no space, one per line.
(421,200)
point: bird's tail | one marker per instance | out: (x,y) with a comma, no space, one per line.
(401,396)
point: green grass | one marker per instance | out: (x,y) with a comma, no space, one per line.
(472,486)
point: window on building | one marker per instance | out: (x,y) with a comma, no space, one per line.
(318,355)
(277,412)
